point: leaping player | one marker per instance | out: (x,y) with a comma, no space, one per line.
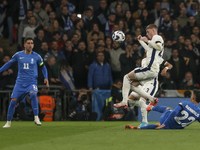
(155,49)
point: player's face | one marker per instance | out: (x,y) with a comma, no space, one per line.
(29,45)
(149,33)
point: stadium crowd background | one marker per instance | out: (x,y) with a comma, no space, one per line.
(74,39)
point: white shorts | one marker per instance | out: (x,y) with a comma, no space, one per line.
(144,74)
(150,87)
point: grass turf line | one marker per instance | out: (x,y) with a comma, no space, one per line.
(95,135)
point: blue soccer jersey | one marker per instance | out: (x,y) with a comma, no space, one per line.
(187,113)
(27,66)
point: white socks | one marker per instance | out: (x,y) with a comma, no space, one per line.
(142,93)
(36,117)
(126,88)
(143,106)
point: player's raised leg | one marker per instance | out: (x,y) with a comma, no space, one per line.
(34,103)
(11,111)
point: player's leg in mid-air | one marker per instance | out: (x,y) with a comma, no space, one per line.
(134,79)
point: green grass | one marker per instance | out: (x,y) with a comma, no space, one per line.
(95,136)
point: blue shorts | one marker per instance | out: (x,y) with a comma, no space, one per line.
(165,115)
(21,89)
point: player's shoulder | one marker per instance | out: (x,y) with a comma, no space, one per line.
(19,53)
(36,54)
(157,38)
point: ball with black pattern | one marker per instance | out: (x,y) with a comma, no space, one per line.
(118,36)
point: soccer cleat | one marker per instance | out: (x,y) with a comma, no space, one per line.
(143,124)
(121,105)
(149,107)
(37,121)
(155,102)
(7,125)
(131,127)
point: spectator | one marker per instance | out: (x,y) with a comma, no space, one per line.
(195,31)
(75,40)
(100,48)
(43,50)
(174,32)
(187,30)
(64,3)
(165,26)
(179,68)
(38,40)
(124,5)
(95,28)
(89,19)
(155,13)
(64,20)
(56,37)
(65,37)
(181,41)
(55,27)
(167,82)
(195,43)
(101,42)
(192,8)
(40,15)
(141,6)
(99,75)
(128,40)
(115,28)
(137,33)
(79,25)
(23,24)
(127,61)
(109,24)
(129,19)
(95,37)
(136,50)
(74,17)
(52,17)
(102,15)
(190,57)
(137,24)
(108,44)
(119,11)
(29,30)
(183,19)
(80,69)
(123,26)
(145,17)
(197,17)
(67,51)
(177,12)
(167,49)
(159,21)
(58,56)
(115,89)
(165,4)
(81,109)
(48,8)
(188,83)
(66,75)
(115,53)
(91,53)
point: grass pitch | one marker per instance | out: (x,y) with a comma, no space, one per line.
(95,136)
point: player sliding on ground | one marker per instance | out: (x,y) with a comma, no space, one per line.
(151,88)
(28,62)
(155,51)
(182,116)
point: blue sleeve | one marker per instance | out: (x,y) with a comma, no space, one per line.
(90,76)
(8,64)
(62,55)
(44,71)
(173,113)
(40,61)
(190,12)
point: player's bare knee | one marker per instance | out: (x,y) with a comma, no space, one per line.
(157,124)
(169,108)
(14,99)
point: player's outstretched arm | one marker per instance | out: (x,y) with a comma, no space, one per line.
(144,45)
(7,65)
(167,66)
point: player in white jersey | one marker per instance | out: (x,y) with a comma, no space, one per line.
(155,49)
(151,88)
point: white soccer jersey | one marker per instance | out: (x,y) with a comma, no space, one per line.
(154,56)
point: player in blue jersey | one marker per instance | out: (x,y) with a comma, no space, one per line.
(179,118)
(28,62)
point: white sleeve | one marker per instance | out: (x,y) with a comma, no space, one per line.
(156,42)
(144,45)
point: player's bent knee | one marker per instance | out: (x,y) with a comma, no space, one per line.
(33,92)
(14,99)
(169,108)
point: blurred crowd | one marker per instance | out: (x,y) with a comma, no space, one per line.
(74,39)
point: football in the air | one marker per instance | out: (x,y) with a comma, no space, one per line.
(118,36)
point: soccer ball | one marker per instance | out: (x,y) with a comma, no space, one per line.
(118,36)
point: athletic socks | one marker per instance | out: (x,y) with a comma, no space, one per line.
(34,103)
(143,106)
(126,88)
(142,93)
(151,126)
(11,110)
(160,109)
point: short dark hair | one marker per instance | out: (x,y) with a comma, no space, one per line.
(28,38)
(56,32)
(197,95)
(65,6)
(99,53)
(93,33)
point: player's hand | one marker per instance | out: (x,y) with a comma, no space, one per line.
(46,81)
(163,72)
(139,37)
(144,38)
(160,127)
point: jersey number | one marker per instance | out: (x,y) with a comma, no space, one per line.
(26,66)
(186,115)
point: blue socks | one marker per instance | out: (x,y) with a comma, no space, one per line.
(11,110)
(151,126)
(34,103)
(160,109)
